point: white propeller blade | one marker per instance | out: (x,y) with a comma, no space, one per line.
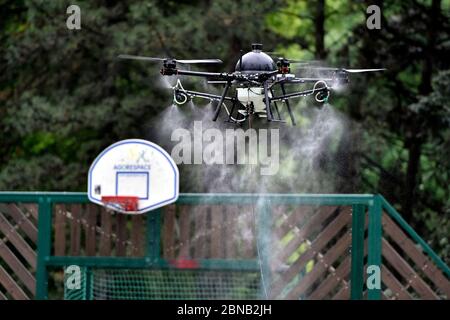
(133,57)
(200,61)
(362,70)
(127,56)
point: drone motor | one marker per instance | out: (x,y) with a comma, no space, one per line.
(283,66)
(169,67)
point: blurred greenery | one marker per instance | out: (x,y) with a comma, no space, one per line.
(64,96)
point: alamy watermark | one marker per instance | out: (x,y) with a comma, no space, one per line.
(72,277)
(374,20)
(211,146)
(373,277)
(73,21)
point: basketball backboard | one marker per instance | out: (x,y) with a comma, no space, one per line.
(135,170)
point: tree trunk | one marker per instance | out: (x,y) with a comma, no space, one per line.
(319,23)
(414,152)
(415,141)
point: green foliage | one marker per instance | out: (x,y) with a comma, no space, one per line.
(64,95)
(392,112)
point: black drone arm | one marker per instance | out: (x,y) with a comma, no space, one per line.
(297,94)
(212,75)
(321,90)
(193,94)
(182,95)
(304,80)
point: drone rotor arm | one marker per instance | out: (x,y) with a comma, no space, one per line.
(204,95)
(286,96)
(216,76)
(300,80)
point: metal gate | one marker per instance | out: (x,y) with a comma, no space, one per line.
(278,246)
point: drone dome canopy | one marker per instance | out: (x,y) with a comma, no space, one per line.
(255,61)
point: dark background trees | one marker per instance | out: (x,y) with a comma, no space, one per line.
(64,96)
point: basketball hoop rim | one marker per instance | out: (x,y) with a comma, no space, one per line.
(126,204)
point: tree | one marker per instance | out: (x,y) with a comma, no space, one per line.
(64,94)
(388,144)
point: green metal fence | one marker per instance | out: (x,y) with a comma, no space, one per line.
(373,204)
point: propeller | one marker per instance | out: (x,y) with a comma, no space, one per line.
(200,61)
(188,61)
(346,70)
(363,70)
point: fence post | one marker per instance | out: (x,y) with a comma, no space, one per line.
(154,235)
(264,231)
(374,243)
(44,246)
(357,252)
(88,289)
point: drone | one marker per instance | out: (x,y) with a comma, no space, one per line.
(259,81)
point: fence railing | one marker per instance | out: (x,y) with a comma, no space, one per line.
(305,246)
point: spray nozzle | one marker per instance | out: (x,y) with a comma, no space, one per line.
(324,91)
(180,95)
